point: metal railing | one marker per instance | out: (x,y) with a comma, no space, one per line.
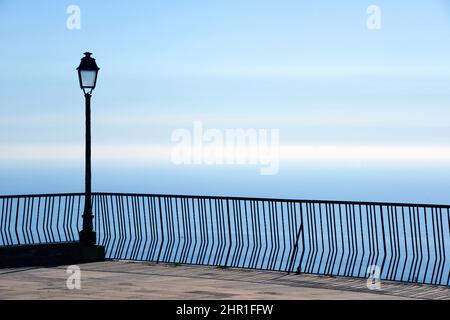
(40,218)
(407,242)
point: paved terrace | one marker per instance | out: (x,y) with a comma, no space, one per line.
(137,280)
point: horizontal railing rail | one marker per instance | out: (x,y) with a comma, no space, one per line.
(393,241)
(275,199)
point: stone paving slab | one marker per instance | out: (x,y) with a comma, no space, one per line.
(138,280)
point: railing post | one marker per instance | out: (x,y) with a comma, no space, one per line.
(300,231)
(229,234)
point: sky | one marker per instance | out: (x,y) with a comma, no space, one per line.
(362,114)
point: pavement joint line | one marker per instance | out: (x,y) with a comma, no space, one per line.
(19,270)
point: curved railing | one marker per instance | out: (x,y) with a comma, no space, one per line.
(402,242)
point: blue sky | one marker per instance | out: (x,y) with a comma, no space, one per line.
(311,69)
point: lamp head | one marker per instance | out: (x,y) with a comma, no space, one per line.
(87,73)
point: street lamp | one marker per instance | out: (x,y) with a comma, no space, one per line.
(87,75)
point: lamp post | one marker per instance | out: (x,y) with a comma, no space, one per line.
(87,75)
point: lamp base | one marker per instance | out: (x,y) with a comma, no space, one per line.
(87,238)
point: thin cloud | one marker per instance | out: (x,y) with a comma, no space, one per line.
(142,153)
